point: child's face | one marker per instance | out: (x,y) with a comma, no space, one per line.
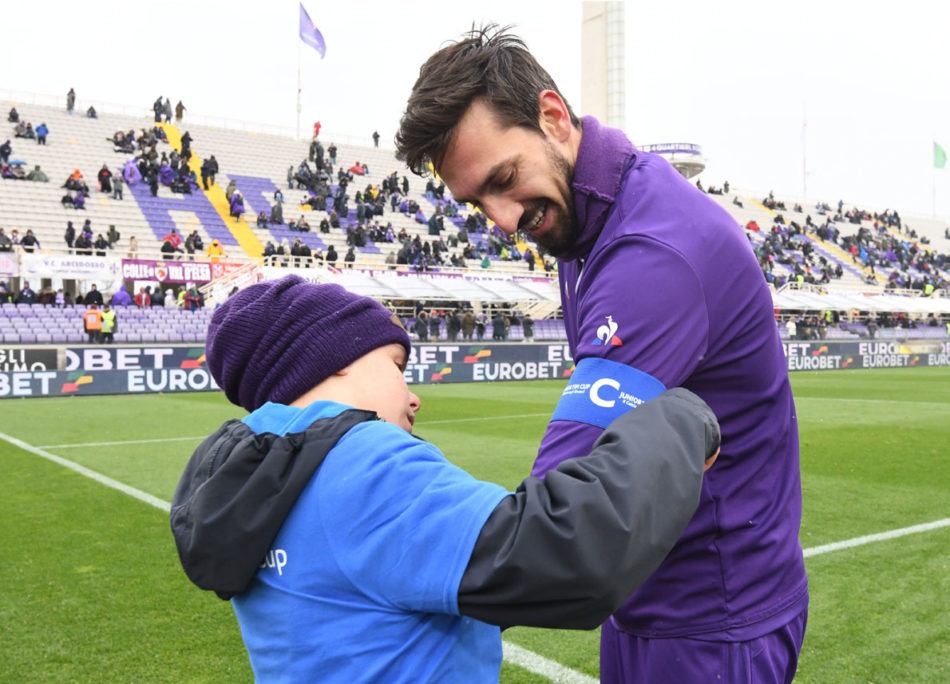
(379,375)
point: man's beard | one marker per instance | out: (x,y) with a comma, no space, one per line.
(564,230)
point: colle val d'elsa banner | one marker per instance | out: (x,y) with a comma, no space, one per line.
(32,372)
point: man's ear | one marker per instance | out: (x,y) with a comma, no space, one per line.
(553,116)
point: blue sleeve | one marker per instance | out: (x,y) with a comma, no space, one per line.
(407,537)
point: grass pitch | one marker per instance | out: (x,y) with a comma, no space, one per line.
(92,589)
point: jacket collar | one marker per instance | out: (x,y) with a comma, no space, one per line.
(604,154)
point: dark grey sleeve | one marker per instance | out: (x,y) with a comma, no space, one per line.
(567,550)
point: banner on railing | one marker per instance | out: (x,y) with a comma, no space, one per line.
(9,265)
(71,266)
(171,271)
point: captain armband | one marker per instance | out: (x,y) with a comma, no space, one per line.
(600,391)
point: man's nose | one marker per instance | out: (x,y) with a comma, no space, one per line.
(505,213)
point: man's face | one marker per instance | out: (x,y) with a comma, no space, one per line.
(520,178)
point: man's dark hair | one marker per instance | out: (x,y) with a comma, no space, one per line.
(487,63)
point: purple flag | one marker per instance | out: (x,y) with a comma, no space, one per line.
(310,34)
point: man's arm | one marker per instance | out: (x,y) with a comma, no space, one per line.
(567,550)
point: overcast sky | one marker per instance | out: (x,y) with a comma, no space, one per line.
(872,79)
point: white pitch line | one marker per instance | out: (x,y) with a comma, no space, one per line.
(880,536)
(92,474)
(529,660)
(540,665)
(131,441)
(516,655)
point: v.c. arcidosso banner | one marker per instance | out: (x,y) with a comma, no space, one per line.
(138,370)
(78,266)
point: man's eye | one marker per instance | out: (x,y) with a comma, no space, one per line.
(507,182)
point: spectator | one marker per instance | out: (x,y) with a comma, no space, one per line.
(173,239)
(112,235)
(215,251)
(142,299)
(527,327)
(37,175)
(13,116)
(421,326)
(237,206)
(70,235)
(101,245)
(83,244)
(5,151)
(29,243)
(92,323)
(206,173)
(41,132)
(6,245)
(332,256)
(70,101)
(133,248)
(109,325)
(91,113)
(93,296)
(499,327)
(179,112)
(105,179)
(350,257)
(192,298)
(375,138)
(26,295)
(277,213)
(121,298)
(453,324)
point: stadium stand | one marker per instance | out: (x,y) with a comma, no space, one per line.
(869,268)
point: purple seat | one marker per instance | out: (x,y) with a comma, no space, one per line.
(11,337)
(27,338)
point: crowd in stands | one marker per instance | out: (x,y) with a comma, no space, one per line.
(907,262)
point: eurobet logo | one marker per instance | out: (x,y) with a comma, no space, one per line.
(441,371)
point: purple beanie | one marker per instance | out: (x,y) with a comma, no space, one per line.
(274,341)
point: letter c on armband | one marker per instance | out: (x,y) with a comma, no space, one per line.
(600,390)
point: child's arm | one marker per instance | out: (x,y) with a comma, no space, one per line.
(567,550)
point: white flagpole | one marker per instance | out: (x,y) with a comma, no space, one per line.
(298,89)
(804,157)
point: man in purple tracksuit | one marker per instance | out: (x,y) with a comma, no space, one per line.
(659,289)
